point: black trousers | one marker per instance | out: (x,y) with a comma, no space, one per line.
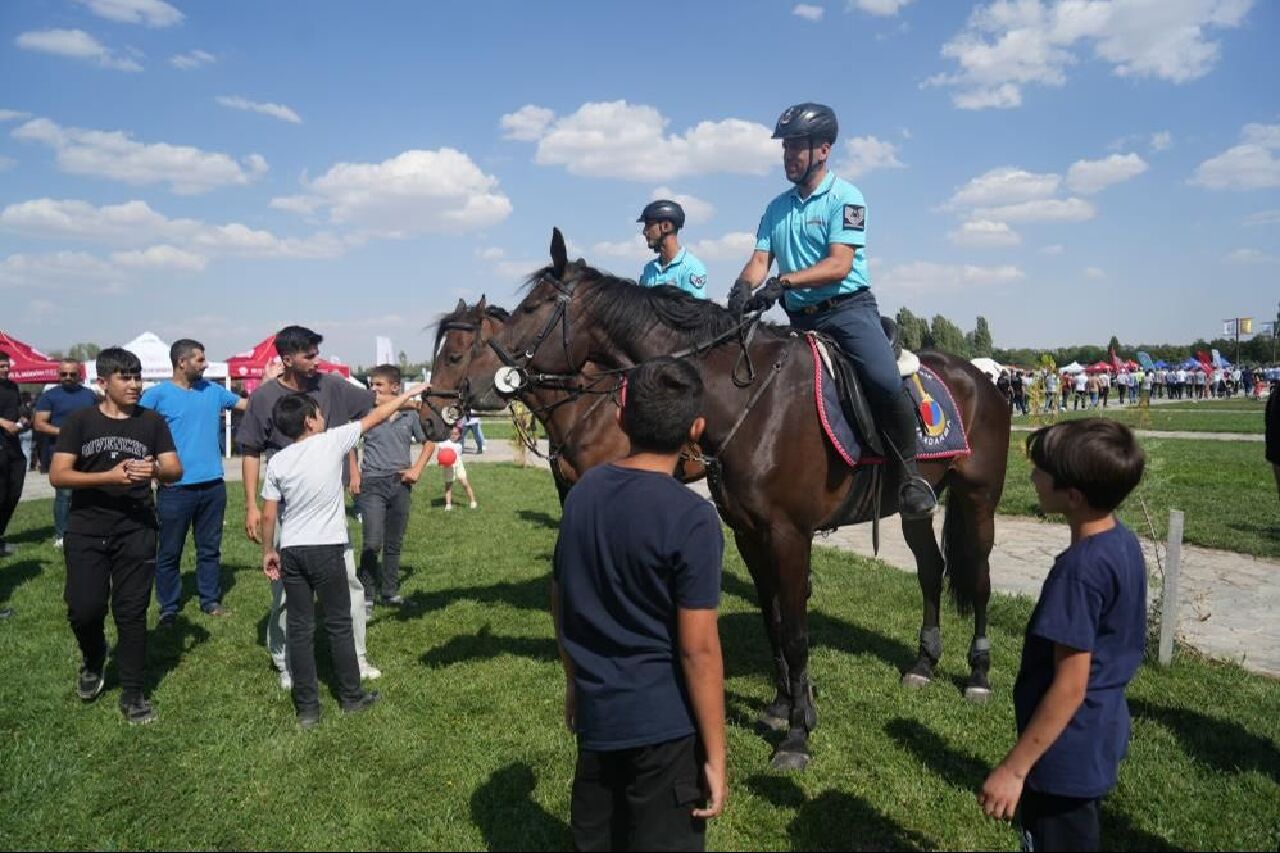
(311,572)
(117,569)
(1050,822)
(384,514)
(13,472)
(639,799)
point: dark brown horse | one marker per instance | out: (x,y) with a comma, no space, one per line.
(773,475)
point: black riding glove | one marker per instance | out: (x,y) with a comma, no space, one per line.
(770,292)
(738,296)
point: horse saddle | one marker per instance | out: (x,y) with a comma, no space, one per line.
(845,389)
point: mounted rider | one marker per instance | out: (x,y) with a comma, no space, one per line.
(817,233)
(675,265)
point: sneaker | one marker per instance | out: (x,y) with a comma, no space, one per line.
(57,542)
(8,550)
(369,698)
(448,507)
(308,720)
(137,710)
(217,610)
(167,621)
(473,504)
(89,683)
(393,600)
(368,607)
(369,672)
(286,680)
(6,612)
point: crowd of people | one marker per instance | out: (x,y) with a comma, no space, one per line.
(1092,389)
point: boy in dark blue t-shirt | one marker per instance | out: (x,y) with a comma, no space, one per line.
(1083,644)
(634,594)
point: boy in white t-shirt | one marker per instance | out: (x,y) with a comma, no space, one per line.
(456,471)
(306,477)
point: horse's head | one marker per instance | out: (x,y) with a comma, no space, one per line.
(463,366)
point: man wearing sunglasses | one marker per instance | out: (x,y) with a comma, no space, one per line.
(52,410)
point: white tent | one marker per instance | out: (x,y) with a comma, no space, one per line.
(988,366)
(154,355)
(1073,368)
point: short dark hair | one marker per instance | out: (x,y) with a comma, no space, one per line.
(295,339)
(290,414)
(1099,457)
(183,348)
(386,371)
(113,360)
(663,397)
(4,356)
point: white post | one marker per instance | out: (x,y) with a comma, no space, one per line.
(1169,601)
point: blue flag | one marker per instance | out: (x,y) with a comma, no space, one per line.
(1145,361)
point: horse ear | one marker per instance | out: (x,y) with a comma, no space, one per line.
(559,253)
(462,306)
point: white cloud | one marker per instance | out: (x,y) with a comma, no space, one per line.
(1251,256)
(884,8)
(1040,210)
(865,154)
(1094,273)
(416,191)
(622,140)
(12,115)
(192,59)
(527,124)
(1010,44)
(1091,176)
(303,205)
(1053,249)
(630,249)
(76,44)
(1161,140)
(926,275)
(31,271)
(1004,185)
(153,13)
(491,253)
(161,257)
(1249,166)
(1263,217)
(984,234)
(734,246)
(808,12)
(7,163)
(279,111)
(114,155)
(696,211)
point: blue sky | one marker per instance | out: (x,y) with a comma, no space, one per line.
(1070,170)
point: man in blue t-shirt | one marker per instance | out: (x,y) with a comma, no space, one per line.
(817,232)
(51,412)
(1083,644)
(635,587)
(675,265)
(193,407)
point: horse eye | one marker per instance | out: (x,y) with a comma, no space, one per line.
(455,357)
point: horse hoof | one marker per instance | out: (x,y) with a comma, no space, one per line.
(787,761)
(977,695)
(914,681)
(773,722)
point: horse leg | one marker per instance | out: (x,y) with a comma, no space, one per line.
(790,552)
(776,714)
(929,569)
(978,688)
(562,483)
(968,536)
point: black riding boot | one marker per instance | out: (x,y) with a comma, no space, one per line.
(916,499)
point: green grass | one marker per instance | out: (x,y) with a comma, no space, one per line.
(1202,416)
(467,750)
(1224,488)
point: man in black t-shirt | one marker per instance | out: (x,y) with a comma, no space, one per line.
(109,454)
(13,464)
(634,596)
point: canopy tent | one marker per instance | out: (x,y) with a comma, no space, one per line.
(1131,365)
(988,366)
(1073,368)
(1161,364)
(1099,367)
(154,355)
(28,364)
(253,363)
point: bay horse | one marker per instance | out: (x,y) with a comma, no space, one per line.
(773,475)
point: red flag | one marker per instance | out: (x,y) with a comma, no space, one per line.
(1205,362)
(1115,362)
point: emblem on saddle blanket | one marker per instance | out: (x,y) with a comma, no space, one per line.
(939,429)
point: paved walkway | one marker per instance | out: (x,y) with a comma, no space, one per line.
(1229,600)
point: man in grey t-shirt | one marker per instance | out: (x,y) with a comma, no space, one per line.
(384,485)
(340,402)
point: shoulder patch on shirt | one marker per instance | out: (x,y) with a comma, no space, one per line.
(855,216)
(698,280)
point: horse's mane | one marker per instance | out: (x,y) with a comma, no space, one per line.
(628,311)
(466,315)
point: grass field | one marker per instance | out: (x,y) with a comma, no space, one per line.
(467,750)
(1225,488)
(1203,416)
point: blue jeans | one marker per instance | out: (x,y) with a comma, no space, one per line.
(61,511)
(201,508)
(475,430)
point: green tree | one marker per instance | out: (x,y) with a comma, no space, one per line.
(980,344)
(86,351)
(1113,345)
(911,329)
(947,336)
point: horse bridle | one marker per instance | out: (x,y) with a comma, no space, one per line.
(515,373)
(449,415)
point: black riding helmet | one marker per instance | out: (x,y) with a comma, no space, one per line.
(814,121)
(663,210)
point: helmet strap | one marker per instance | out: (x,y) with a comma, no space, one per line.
(804,177)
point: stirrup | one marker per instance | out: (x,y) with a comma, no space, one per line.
(917,482)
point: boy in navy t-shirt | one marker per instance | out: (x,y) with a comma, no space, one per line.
(1083,644)
(634,594)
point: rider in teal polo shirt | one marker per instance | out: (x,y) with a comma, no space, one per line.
(675,265)
(817,233)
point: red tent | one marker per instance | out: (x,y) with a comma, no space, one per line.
(251,364)
(1099,367)
(28,363)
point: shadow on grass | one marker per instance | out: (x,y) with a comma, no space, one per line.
(485,645)
(835,820)
(190,589)
(957,769)
(540,519)
(506,814)
(531,594)
(166,648)
(1223,745)
(15,575)
(32,535)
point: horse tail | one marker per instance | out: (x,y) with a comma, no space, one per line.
(959,550)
